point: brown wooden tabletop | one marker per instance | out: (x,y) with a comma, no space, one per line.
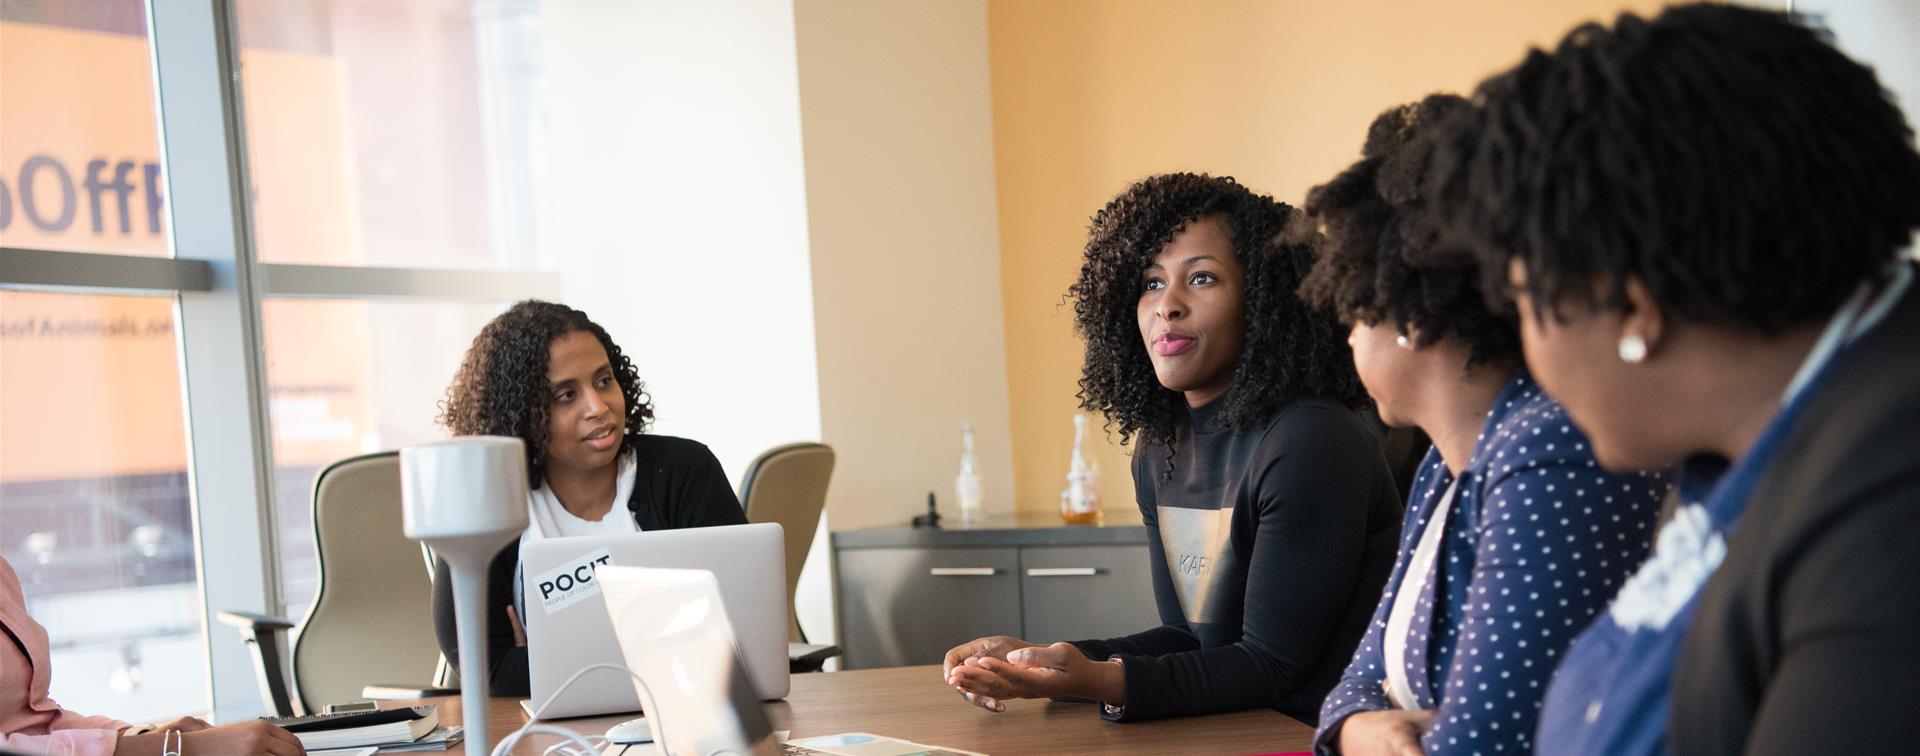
(913,703)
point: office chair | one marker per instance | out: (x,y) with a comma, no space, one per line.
(371,621)
(788,485)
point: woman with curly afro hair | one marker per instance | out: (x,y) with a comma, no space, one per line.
(1434,356)
(544,373)
(1269,509)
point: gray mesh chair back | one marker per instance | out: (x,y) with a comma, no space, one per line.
(788,485)
(372,615)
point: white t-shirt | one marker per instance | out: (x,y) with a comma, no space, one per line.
(548,518)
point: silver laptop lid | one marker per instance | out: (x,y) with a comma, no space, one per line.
(566,613)
(675,636)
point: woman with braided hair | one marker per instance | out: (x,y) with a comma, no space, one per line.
(1702,219)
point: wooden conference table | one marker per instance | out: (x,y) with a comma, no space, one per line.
(912,703)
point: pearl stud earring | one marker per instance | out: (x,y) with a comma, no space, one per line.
(1633,349)
(1402,341)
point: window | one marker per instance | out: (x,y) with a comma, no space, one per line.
(380,135)
(391,150)
(79,163)
(93,473)
(93,494)
(350,378)
(391,134)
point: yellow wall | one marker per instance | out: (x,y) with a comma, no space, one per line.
(906,287)
(1091,94)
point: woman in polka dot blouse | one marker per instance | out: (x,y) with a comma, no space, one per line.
(1513,537)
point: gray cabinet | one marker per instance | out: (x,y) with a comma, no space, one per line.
(905,596)
(1081,592)
(908,606)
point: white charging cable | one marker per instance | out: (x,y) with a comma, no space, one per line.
(597,743)
(585,744)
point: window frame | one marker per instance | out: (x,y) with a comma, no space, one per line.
(217,284)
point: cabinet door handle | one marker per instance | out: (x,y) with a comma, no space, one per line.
(963,572)
(1062,571)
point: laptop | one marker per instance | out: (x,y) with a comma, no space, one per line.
(675,634)
(566,612)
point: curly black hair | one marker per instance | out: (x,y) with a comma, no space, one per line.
(1382,259)
(1292,349)
(501,388)
(1731,159)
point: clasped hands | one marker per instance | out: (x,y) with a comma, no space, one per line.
(990,670)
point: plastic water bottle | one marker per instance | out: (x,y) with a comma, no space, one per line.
(966,486)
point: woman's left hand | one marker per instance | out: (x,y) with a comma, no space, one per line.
(1388,732)
(1041,672)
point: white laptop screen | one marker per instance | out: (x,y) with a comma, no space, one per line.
(674,633)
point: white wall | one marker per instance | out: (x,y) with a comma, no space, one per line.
(1881,33)
(1884,34)
(675,209)
(674,206)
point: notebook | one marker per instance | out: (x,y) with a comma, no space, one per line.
(372,728)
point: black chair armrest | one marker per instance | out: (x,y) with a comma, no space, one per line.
(253,622)
(262,634)
(809,657)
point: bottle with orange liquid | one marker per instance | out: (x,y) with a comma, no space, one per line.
(1080,502)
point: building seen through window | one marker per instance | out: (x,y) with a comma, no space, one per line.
(378,134)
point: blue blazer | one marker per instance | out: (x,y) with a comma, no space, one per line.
(1538,540)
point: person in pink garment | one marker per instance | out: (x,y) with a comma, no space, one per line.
(31,722)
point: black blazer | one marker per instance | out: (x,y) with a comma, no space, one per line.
(678,484)
(1807,639)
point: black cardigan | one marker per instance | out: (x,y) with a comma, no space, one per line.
(678,484)
(1807,638)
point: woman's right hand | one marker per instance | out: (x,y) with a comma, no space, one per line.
(996,646)
(247,738)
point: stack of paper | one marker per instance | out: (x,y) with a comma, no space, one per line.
(440,739)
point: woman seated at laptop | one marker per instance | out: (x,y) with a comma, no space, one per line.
(1513,539)
(1269,509)
(546,374)
(31,722)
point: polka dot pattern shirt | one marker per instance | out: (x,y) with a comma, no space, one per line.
(1537,542)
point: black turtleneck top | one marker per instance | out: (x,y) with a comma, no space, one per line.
(1270,544)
